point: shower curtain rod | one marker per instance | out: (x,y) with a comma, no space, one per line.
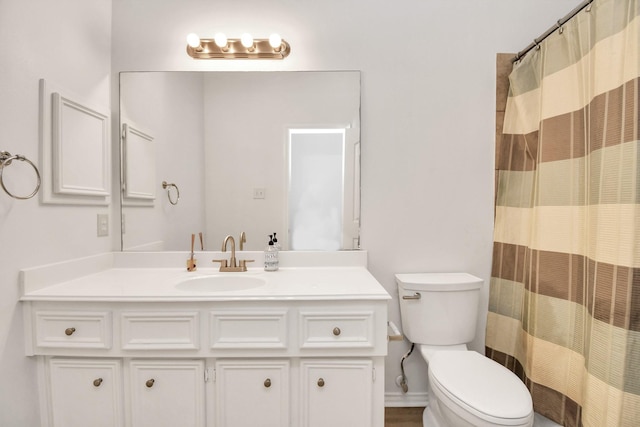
(547,33)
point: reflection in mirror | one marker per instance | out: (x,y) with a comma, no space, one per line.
(224,139)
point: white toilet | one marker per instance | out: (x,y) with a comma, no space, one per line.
(439,313)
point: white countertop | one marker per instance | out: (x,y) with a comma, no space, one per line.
(109,281)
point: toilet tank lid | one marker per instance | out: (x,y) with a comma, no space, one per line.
(438,281)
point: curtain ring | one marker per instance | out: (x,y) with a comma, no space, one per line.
(560,27)
(5,160)
(167,186)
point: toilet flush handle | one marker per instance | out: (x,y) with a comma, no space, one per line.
(414,296)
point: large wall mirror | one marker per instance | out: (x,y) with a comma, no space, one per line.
(220,153)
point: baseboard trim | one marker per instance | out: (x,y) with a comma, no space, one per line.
(397,399)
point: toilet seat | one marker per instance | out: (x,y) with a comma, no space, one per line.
(481,387)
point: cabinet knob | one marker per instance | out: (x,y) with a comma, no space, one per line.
(320,382)
(150,382)
(267,382)
(336,331)
(69,331)
(97,382)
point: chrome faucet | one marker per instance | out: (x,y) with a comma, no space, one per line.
(232,264)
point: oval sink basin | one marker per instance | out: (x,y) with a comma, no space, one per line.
(220,283)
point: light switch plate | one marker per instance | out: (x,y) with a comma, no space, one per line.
(103,225)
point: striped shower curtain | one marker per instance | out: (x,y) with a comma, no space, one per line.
(564,309)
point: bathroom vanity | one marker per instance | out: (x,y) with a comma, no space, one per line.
(120,340)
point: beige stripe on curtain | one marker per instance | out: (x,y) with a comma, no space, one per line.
(564,309)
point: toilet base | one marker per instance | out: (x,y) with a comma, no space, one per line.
(428,419)
(433,417)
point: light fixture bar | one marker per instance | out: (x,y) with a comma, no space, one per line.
(234,49)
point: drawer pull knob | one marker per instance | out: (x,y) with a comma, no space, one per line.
(69,331)
(267,382)
(150,382)
(97,382)
(336,331)
(320,382)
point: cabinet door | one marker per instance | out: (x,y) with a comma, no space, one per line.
(336,393)
(85,392)
(252,393)
(167,393)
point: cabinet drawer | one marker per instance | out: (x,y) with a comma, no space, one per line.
(77,329)
(249,329)
(336,329)
(160,330)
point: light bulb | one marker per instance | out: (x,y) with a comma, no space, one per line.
(220,39)
(193,40)
(275,41)
(247,40)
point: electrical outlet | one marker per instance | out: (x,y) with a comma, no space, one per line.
(258,193)
(103,225)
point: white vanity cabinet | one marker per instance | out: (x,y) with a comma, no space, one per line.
(308,352)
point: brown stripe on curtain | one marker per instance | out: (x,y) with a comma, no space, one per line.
(561,275)
(563,136)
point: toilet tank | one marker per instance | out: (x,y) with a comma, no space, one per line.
(439,308)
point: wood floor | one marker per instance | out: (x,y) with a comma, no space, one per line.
(412,417)
(403,417)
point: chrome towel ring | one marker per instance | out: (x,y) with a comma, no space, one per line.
(168,186)
(5,160)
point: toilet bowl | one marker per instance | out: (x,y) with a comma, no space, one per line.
(468,389)
(465,388)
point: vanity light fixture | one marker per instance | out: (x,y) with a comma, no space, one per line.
(246,47)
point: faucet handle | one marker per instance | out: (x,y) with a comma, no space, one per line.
(243,263)
(223,262)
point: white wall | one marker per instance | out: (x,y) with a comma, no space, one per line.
(428,103)
(68,43)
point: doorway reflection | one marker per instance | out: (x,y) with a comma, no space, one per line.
(315,199)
